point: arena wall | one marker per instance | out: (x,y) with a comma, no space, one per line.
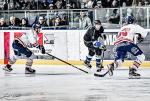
(65,44)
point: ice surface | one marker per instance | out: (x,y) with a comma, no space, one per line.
(64,83)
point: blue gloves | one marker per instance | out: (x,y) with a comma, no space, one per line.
(97,44)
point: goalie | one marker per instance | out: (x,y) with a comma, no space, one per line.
(125,44)
(20,47)
(94,41)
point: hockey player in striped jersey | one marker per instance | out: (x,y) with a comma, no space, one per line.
(20,47)
(124,44)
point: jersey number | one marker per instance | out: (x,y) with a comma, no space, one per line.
(122,34)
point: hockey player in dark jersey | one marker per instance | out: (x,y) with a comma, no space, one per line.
(94,41)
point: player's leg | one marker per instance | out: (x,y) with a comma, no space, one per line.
(89,58)
(120,54)
(140,57)
(30,56)
(14,58)
(11,61)
(99,65)
(119,58)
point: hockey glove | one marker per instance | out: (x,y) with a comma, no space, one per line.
(96,44)
(42,49)
(140,38)
(104,48)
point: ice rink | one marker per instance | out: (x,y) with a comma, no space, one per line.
(65,83)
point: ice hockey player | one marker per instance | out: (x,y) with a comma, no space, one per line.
(20,47)
(94,41)
(124,44)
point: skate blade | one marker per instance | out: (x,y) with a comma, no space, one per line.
(29,72)
(7,70)
(134,77)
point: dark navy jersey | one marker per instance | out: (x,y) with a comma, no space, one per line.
(92,34)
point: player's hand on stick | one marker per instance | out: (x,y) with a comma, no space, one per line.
(97,44)
(140,38)
(104,48)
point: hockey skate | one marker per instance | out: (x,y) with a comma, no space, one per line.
(99,68)
(8,68)
(133,74)
(87,64)
(29,71)
(110,69)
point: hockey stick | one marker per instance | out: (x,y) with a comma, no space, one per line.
(66,63)
(102,75)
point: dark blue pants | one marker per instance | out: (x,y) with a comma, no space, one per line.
(20,49)
(124,47)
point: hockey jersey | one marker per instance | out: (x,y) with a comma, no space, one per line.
(28,39)
(128,32)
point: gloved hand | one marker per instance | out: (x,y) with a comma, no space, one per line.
(140,38)
(97,44)
(42,49)
(103,48)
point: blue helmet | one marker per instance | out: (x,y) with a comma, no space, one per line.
(130,20)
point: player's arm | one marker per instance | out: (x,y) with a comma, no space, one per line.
(34,43)
(142,33)
(88,38)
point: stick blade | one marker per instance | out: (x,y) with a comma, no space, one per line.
(99,75)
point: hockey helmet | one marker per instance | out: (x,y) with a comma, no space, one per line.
(130,20)
(97,22)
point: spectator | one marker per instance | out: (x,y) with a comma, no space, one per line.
(90,4)
(68,6)
(45,4)
(3,23)
(60,4)
(14,22)
(73,5)
(115,17)
(146,3)
(84,21)
(99,4)
(24,23)
(64,22)
(51,6)
(42,22)
(124,11)
(55,22)
(115,4)
(140,14)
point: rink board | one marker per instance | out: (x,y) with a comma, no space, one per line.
(145,64)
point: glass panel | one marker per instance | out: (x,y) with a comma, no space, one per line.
(139,13)
(110,17)
(141,16)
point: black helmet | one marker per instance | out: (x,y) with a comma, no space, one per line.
(36,26)
(97,22)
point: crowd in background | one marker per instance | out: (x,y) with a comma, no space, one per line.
(16,23)
(66,4)
(84,19)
